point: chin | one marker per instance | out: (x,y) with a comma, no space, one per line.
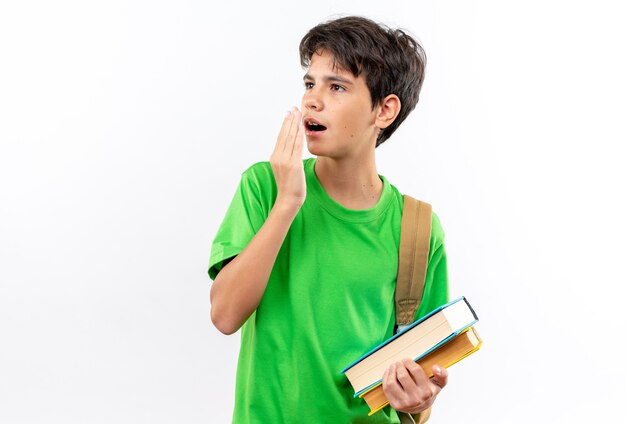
(321,150)
(314,148)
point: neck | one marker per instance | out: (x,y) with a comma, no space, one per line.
(352,182)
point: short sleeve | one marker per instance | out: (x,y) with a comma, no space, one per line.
(246,214)
(436,292)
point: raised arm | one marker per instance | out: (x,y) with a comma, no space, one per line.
(239,286)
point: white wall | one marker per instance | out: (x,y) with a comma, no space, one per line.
(124,127)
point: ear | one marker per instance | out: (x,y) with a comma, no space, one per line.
(388,110)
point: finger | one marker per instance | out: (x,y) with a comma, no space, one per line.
(391,375)
(298,142)
(293,130)
(284,132)
(417,372)
(392,388)
(278,147)
(440,376)
(405,378)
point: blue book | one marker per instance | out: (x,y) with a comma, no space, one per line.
(415,341)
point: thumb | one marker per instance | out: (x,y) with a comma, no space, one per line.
(440,376)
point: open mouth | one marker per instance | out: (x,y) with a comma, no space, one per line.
(313,126)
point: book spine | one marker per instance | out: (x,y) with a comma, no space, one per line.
(471,309)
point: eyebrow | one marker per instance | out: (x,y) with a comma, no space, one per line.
(329,78)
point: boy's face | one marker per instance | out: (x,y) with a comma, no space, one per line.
(341,106)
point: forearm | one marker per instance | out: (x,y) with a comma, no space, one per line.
(239,286)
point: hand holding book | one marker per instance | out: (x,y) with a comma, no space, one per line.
(408,388)
(439,339)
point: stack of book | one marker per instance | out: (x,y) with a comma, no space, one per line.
(443,337)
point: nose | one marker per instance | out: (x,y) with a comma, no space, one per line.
(312,101)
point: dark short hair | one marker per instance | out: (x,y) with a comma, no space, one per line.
(390,59)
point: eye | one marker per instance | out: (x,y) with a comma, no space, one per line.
(308,85)
(337,87)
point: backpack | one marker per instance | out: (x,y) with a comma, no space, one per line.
(412,265)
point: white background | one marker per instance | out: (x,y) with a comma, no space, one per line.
(124,127)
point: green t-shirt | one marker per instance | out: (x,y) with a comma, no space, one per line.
(329,299)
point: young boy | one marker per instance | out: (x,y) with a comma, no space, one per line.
(305,261)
